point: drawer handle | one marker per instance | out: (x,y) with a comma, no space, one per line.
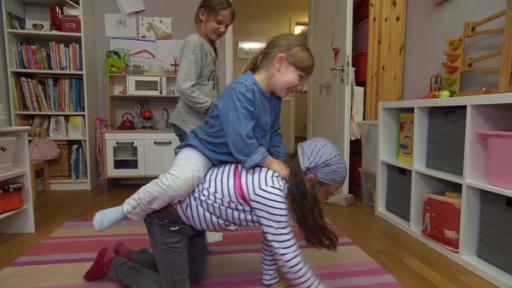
(3,148)
(162,142)
(129,143)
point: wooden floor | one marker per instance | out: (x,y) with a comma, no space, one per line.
(408,260)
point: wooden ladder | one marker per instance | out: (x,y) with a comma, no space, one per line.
(505,69)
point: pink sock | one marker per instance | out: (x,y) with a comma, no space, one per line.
(121,250)
(101,264)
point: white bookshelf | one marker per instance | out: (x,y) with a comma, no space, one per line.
(20,220)
(86,40)
(493,112)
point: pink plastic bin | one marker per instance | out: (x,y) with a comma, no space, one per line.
(499,157)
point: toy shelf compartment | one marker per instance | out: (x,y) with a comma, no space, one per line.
(395,204)
(389,136)
(487,244)
(440,137)
(495,117)
(427,183)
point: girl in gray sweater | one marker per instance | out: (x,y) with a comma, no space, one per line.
(197,83)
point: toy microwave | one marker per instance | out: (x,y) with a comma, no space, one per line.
(146,85)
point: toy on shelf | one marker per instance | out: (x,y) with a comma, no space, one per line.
(451,76)
(127,122)
(458,63)
(441,219)
(435,85)
(405,137)
(116,61)
(145,114)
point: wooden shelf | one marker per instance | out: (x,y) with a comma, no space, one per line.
(48,113)
(48,72)
(50,35)
(7,214)
(144,74)
(142,96)
(12,173)
(84,80)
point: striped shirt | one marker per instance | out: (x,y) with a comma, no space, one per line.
(215,205)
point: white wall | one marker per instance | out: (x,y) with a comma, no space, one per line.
(428,25)
(182,13)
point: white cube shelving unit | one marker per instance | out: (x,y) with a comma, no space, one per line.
(492,112)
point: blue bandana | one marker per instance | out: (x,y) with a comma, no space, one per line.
(322,158)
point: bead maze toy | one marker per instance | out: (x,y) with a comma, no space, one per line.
(457,63)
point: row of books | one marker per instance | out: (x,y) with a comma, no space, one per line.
(57,56)
(48,94)
(55,126)
(78,161)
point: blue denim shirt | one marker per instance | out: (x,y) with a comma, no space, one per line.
(243,126)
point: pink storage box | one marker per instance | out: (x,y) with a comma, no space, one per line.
(70,24)
(499,157)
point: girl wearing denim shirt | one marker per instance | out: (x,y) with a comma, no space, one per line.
(242,127)
(256,197)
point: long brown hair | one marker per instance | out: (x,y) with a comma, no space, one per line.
(213,7)
(296,50)
(307,208)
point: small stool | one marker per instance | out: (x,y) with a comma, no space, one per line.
(35,167)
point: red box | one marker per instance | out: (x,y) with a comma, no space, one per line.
(359,62)
(356,162)
(11,201)
(70,24)
(441,220)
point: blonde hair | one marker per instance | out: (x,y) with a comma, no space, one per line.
(213,7)
(294,47)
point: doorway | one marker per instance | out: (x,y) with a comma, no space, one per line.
(256,22)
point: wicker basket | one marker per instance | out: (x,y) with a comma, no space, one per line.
(59,168)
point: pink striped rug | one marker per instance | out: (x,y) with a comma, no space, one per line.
(61,259)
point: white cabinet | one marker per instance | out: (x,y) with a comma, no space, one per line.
(20,220)
(401,187)
(54,87)
(139,153)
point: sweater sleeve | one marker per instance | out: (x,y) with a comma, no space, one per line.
(280,248)
(192,56)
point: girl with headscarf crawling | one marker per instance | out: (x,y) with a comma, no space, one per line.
(232,195)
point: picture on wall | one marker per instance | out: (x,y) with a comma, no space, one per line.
(118,25)
(155,28)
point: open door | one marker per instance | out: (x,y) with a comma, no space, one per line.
(330,39)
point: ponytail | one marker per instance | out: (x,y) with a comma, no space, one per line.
(307,209)
(296,50)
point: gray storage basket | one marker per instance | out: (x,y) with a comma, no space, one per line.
(495,233)
(398,192)
(445,144)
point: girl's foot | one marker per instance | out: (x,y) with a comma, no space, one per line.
(101,264)
(121,250)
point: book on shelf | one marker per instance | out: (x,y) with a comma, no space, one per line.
(78,161)
(48,94)
(57,127)
(76,127)
(56,56)
(15,21)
